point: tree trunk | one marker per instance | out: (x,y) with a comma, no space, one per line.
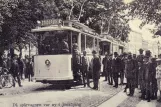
(109,24)
(81,10)
(71,10)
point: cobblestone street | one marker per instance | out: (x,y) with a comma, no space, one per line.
(106,96)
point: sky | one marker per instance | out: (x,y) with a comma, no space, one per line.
(146,34)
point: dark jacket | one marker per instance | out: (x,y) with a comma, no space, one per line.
(21,64)
(96,68)
(30,68)
(104,62)
(152,69)
(141,73)
(76,62)
(116,64)
(109,65)
(140,58)
(130,69)
(14,69)
(148,73)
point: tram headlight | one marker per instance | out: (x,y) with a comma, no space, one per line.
(48,63)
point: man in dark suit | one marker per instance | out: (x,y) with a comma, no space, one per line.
(116,62)
(15,71)
(96,67)
(130,71)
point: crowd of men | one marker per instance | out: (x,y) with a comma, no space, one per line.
(142,72)
(19,68)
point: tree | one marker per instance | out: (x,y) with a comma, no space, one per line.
(17,18)
(6,7)
(147,10)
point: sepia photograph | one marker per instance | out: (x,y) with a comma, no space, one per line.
(80,53)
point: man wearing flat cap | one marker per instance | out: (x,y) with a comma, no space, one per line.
(116,62)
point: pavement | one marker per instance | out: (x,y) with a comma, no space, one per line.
(45,95)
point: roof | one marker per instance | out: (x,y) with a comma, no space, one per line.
(54,28)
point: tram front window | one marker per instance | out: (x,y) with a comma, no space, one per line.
(53,43)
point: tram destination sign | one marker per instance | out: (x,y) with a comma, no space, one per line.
(49,22)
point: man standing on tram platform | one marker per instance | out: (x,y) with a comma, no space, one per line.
(116,62)
(76,63)
(96,67)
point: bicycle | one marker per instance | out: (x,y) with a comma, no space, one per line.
(6,79)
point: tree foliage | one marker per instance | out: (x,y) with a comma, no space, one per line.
(147,10)
(18,17)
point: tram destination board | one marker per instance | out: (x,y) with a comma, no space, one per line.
(50,22)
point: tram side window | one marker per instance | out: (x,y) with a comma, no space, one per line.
(82,43)
(89,44)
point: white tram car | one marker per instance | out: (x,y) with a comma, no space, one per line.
(55,68)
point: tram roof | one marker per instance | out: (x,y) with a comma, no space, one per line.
(54,28)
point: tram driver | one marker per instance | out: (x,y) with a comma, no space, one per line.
(63,46)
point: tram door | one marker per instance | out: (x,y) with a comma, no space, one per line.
(105,47)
